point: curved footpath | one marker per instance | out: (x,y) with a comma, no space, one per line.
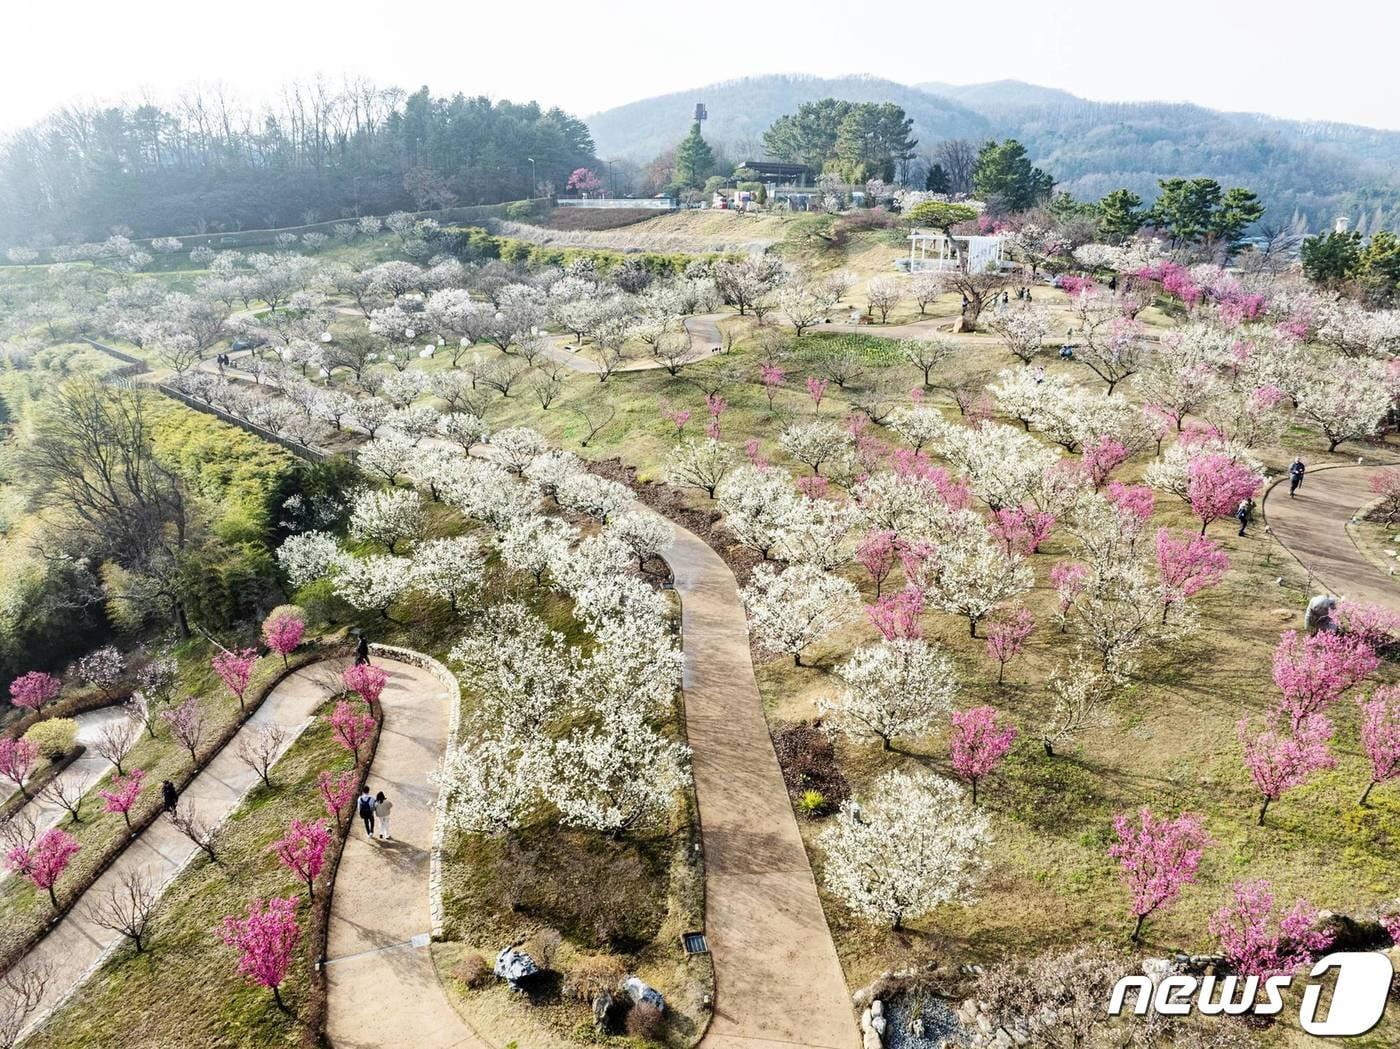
(383,990)
(1313,528)
(778,981)
(84,770)
(75,947)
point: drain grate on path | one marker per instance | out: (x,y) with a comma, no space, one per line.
(694,943)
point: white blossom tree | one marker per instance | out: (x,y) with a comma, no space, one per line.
(911,846)
(897,687)
(699,464)
(615,777)
(387,516)
(972,574)
(450,568)
(789,611)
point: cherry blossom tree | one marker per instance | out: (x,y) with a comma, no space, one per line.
(1313,671)
(1158,856)
(44,861)
(1380,736)
(32,690)
(235,669)
(789,611)
(896,687)
(1217,484)
(1279,759)
(1258,940)
(583,181)
(122,794)
(1006,637)
(613,778)
(337,792)
(186,724)
(699,464)
(302,850)
(17,760)
(450,568)
(366,680)
(282,632)
(1187,566)
(897,615)
(978,742)
(912,845)
(350,727)
(266,941)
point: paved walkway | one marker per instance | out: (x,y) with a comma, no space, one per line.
(75,945)
(86,769)
(778,981)
(382,985)
(1313,528)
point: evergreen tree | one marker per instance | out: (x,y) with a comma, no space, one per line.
(694,159)
(1380,264)
(1239,209)
(937,180)
(1004,173)
(1332,257)
(1119,215)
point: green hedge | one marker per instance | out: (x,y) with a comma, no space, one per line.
(477,245)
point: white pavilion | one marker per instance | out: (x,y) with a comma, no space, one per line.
(931,250)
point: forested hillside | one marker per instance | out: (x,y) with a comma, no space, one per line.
(204,164)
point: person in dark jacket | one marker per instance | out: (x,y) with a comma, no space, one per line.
(362,651)
(169,796)
(1243,513)
(1295,475)
(365,809)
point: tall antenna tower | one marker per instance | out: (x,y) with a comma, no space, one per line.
(701,113)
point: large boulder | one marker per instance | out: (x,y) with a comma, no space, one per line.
(640,992)
(516,968)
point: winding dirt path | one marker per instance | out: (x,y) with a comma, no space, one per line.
(383,990)
(75,947)
(1312,526)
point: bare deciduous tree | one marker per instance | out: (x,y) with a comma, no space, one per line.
(21,991)
(115,738)
(595,418)
(260,749)
(187,820)
(67,793)
(126,907)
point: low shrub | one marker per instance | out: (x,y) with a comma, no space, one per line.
(542,946)
(591,975)
(645,1020)
(55,737)
(812,803)
(473,970)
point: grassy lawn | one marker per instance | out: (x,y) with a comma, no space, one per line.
(184,990)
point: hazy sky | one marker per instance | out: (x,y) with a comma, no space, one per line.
(1282,57)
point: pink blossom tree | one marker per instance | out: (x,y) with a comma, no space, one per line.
(1279,759)
(1068,578)
(44,862)
(677,417)
(1157,857)
(1216,485)
(978,743)
(1187,566)
(235,669)
(897,615)
(1021,529)
(350,727)
(1101,456)
(1135,501)
(32,690)
(774,378)
(122,794)
(266,941)
(1313,671)
(1380,735)
(1006,637)
(583,181)
(876,551)
(1259,941)
(17,760)
(337,792)
(1375,625)
(302,850)
(754,454)
(186,724)
(282,633)
(716,406)
(367,680)
(816,389)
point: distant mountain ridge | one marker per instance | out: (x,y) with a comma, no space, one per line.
(1315,168)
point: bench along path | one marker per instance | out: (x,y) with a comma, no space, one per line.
(383,990)
(75,946)
(1312,526)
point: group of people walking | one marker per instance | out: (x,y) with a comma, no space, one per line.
(1244,513)
(374,811)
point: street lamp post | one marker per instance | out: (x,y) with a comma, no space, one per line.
(534,182)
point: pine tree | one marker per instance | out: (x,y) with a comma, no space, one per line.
(694,159)
(1119,217)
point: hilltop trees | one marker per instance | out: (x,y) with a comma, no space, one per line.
(1194,210)
(1004,176)
(860,140)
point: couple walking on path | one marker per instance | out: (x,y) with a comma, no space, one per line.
(374,809)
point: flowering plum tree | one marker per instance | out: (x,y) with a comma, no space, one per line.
(283,630)
(186,724)
(1217,484)
(909,847)
(234,669)
(1258,940)
(44,861)
(122,794)
(1279,759)
(978,742)
(17,760)
(789,611)
(302,850)
(1313,671)
(366,680)
(266,941)
(337,792)
(1158,856)
(898,687)
(1380,736)
(897,615)
(32,690)
(1187,566)
(350,727)
(876,552)
(1006,637)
